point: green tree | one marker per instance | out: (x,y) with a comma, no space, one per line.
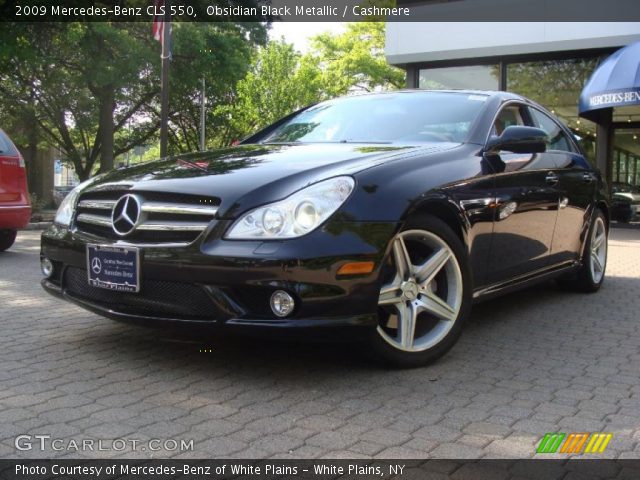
(552,83)
(279,82)
(354,61)
(92,89)
(221,54)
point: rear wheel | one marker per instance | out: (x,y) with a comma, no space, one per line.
(425,294)
(7,237)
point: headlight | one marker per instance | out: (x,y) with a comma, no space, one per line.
(297,214)
(68,204)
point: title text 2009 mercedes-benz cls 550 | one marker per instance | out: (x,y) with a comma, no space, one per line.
(389,212)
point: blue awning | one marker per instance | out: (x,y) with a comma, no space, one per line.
(615,83)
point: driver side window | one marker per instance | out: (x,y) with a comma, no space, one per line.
(509,116)
(557,138)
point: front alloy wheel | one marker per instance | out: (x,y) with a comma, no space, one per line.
(423,295)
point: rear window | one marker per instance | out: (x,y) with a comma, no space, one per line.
(6,147)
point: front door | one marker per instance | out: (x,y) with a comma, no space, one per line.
(526,205)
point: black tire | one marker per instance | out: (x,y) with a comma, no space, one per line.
(583,279)
(626,218)
(7,237)
(382,349)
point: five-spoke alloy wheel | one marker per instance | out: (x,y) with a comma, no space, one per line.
(598,249)
(423,294)
(590,276)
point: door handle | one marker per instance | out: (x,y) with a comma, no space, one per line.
(551,178)
(587,178)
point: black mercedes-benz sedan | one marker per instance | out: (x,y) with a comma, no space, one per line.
(385,214)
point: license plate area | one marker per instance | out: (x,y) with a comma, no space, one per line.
(113,268)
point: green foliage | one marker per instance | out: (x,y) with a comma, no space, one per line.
(87,84)
(354,61)
(92,90)
(66,74)
(282,81)
(37,203)
(219,53)
(551,83)
(279,82)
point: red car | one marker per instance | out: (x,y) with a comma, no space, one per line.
(15,210)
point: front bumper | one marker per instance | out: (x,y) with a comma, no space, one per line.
(220,282)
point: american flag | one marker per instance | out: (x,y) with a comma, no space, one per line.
(159,26)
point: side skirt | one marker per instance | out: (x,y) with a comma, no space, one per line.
(523,281)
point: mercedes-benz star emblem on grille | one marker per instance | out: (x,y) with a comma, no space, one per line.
(125,215)
(96,265)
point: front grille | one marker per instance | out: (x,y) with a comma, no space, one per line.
(164,217)
(159,299)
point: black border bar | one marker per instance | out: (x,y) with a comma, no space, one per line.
(324,10)
(542,469)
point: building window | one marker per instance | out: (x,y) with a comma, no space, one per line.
(626,156)
(556,85)
(475,77)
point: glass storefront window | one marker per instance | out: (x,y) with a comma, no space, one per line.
(476,77)
(626,156)
(556,85)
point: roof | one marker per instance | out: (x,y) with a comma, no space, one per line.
(491,93)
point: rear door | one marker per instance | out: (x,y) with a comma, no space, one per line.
(526,205)
(576,187)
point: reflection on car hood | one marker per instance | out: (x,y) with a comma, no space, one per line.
(633,197)
(250,175)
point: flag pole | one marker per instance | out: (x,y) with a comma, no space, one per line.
(202,118)
(166,57)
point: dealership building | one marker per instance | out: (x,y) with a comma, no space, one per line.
(548,62)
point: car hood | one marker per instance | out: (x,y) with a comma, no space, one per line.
(250,175)
(633,197)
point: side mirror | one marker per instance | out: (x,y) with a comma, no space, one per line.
(518,139)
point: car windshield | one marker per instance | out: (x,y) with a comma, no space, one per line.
(384,118)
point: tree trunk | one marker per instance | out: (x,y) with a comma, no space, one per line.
(81,172)
(107,106)
(30,153)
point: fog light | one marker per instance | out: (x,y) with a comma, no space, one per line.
(46,266)
(282,303)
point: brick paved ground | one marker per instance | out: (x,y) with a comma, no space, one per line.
(530,363)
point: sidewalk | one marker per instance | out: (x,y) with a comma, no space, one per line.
(537,361)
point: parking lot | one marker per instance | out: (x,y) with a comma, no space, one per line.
(537,361)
